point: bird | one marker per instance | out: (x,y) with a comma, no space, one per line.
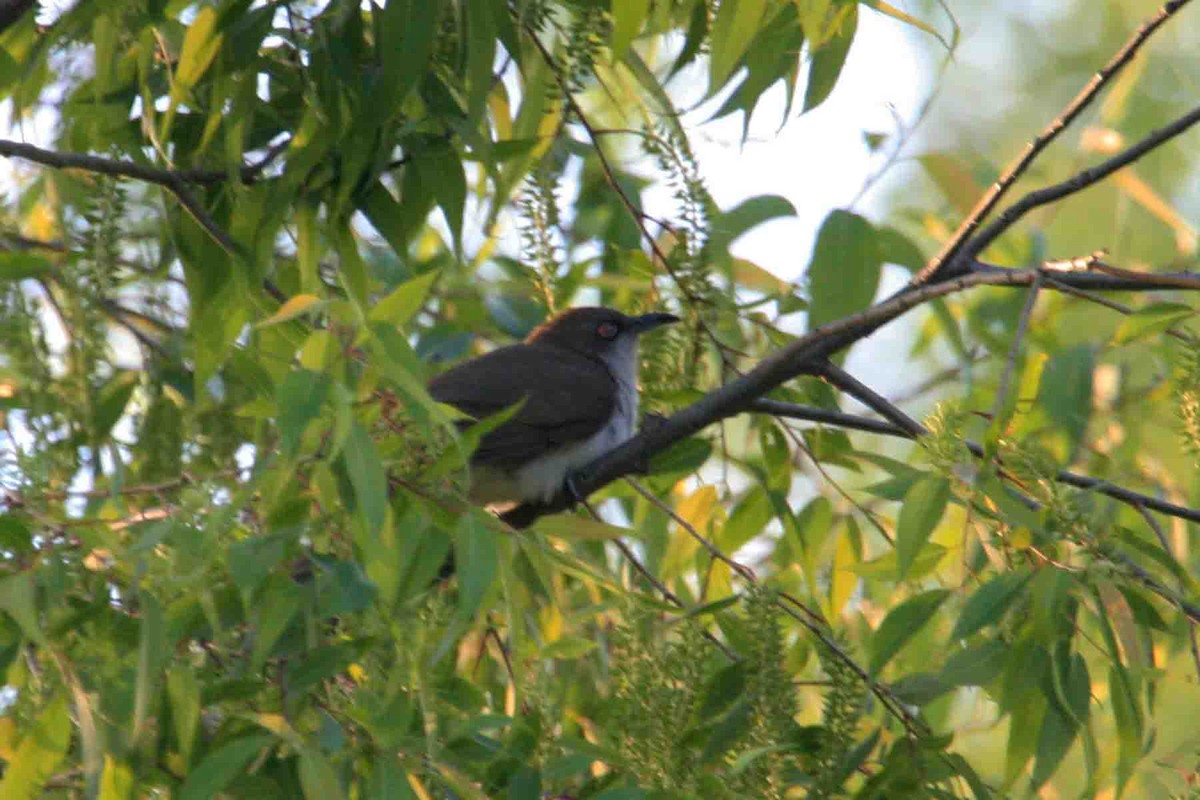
(575,376)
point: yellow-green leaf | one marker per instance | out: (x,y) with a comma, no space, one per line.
(628,18)
(403,302)
(736,24)
(294,307)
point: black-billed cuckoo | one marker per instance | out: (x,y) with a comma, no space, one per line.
(577,375)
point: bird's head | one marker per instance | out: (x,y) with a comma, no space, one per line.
(596,331)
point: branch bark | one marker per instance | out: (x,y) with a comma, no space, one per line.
(991,198)
(807,355)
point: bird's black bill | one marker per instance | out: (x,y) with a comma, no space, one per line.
(648,322)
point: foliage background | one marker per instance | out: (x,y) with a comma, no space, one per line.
(227,495)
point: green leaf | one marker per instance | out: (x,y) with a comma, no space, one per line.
(581,529)
(475,557)
(921,688)
(1060,725)
(923,507)
(17,600)
(151,650)
(366,475)
(406,37)
(403,302)
(318,781)
(568,648)
(885,566)
(1151,320)
(844,273)
(221,766)
(278,602)
(16,265)
(748,214)
(901,624)
(1066,393)
(628,18)
(977,665)
(183,691)
(682,457)
(300,398)
(42,749)
(439,172)
(829,58)
(989,602)
(736,24)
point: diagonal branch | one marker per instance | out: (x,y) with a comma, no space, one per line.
(909,428)
(1074,184)
(804,355)
(950,251)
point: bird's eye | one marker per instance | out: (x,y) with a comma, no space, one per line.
(607,330)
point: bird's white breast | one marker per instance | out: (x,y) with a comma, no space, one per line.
(542,478)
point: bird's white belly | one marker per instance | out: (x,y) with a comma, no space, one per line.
(541,479)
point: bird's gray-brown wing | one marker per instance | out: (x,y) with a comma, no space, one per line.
(570,400)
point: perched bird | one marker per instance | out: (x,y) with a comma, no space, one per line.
(577,376)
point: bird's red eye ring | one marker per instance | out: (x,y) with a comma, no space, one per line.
(607,330)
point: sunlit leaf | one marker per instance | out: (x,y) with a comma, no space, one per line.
(901,624)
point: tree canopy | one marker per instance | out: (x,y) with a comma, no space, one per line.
(247,233)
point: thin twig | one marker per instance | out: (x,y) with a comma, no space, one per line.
(1076,183)
(1073,109)
(712,549)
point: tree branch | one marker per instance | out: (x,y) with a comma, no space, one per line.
(805,355)
(1075,183)
(987,203)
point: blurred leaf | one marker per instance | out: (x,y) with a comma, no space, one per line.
(568,648)
(683,457)
(475,558)
(923,507)
(403,302)
(16,265)
(953,178)
(42,749)
(989,602)
(317,777)
(17,600)
(628,18)
(735,25)
(901,624)
(830,57)
(844,273)
(575,528)
(1150,321)
(295,306)
(745,216)
(221,766)
(116,781)
(885,566)
(300,399)
(366,475)
(976,665)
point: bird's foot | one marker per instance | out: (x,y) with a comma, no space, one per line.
(571,491)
